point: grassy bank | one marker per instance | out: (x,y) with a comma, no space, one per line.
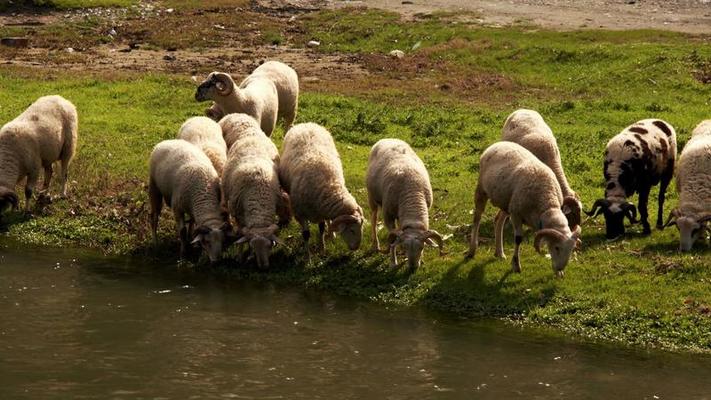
(587,85)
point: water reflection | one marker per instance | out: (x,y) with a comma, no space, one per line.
(75,324)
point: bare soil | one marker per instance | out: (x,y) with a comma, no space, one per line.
(690,16)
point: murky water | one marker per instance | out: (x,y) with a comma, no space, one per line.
(76,325)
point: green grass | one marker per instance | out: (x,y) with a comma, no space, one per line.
(67,4)
(588,86)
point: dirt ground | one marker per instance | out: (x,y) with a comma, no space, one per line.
(690,16)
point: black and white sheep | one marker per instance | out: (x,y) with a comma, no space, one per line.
(398,182)
(207,135)
(44,133)
(639,157)
(311,172)
(183,176)
(252,191)
(271,90)
(527,128)
(527,192)
(693,183)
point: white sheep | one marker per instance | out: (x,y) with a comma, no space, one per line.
(527,191)
(234,125)
(639,157)
(693,183)
(252,191)
(311,172)
(527,128)
(398,182)
(44,133)
(271,90)
(207,135)
(183,176)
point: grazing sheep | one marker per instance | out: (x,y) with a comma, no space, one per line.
(184,177)
(693,183)
(234,125)
(310,170)
(639,157)
(271,90)
(207,135)
(527,128)
(253,193)
(527,191)
(398,182)
(44,133)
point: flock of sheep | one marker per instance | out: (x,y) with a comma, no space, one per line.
(217,173)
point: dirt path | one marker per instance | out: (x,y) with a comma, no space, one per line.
(690,16)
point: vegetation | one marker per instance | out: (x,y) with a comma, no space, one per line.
(448,97)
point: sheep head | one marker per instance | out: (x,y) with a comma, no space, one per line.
(350,227)
(572,209)
(217,84)
(615,214)
(212,240)
(413,240)
(560,246)
(690,228)
(8,198)
(261,241)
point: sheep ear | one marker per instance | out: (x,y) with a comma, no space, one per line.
(197,239)
(243,239)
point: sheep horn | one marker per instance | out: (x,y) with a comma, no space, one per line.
(571,206)
(673,215)
(544,234)
(9,196)
(705,218)
(341,220)
(433,234)
(599,203)
(630,211)
(275,239)
(223,83)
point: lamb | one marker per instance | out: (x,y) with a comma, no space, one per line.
(310,171)
(184,177)
(398,182)
(527,191)
(252,191)
(44,133)
(271,90)
(234,125)
(527,128)
(207,135)
(693,183)
(639,157)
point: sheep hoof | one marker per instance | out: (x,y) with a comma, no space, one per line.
(469,254)
(500,255)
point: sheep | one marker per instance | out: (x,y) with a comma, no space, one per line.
(527,128)
(270,91)
(44,133)
(527,191)
(310,171)
(207,135)
(693,183)
(639,157)
(398,182)
(253,193)
(183,176)
(235,124)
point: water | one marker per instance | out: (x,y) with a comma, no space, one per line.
(77,325)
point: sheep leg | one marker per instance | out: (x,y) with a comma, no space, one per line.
(321,236)
(156,200)
(480,200)
(47,177)
(393,256)
(183,233)
(289,117)
(306,235)
(499,233)
(374,227)
(663,184)
(518,238)
(65,177)
(643,214)
(29,189)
